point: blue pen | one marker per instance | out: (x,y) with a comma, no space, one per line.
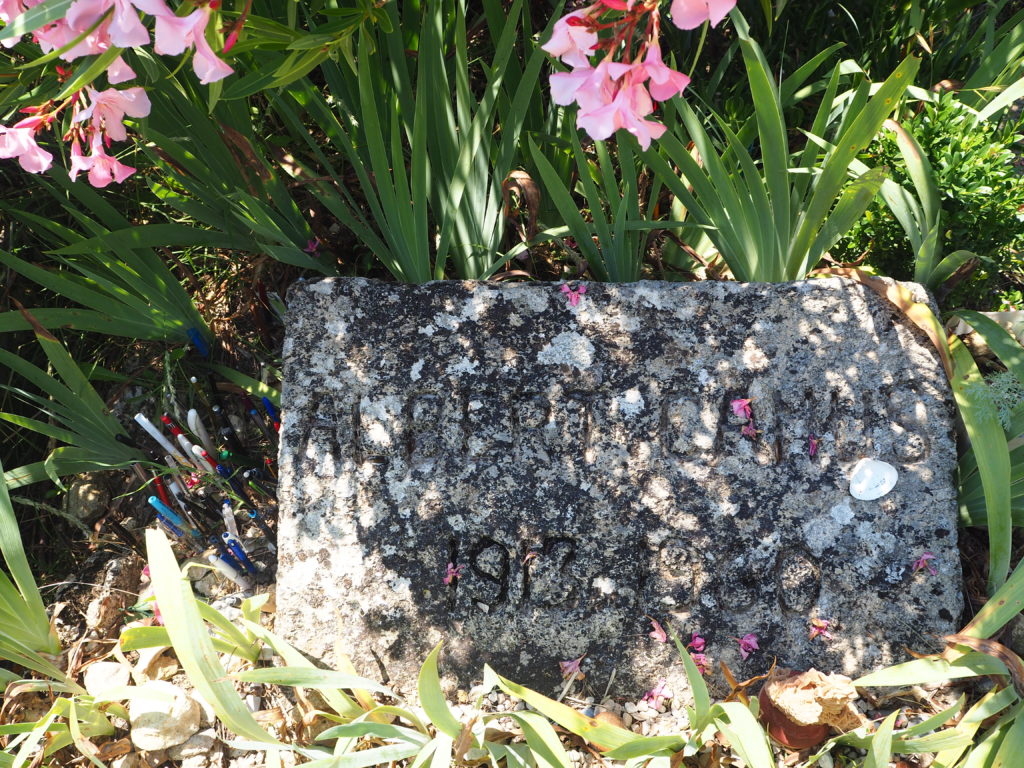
(198,342)
(167,512)
(275,415)
(172,516)
(224,552)
(171,527)
(228,475)
(236,549)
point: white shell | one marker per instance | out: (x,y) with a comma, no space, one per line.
(872,479)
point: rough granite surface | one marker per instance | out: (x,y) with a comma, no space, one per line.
(583,469)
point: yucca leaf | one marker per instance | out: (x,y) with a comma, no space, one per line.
(432,698)
(192,643)
(989,444)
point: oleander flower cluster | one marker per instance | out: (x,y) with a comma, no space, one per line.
(620,90)
(96,27)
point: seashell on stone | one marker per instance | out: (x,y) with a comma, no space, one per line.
(872,479)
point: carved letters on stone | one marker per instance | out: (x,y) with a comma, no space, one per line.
(585,469)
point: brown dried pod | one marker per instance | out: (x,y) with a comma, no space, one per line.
(608,718)
(800,708)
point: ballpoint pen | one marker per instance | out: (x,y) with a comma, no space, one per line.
(235,546)
(184,442)
(275,415)
(230,572)
(157,435)
(165,511)
(254,414)
(229,518)
(195,423)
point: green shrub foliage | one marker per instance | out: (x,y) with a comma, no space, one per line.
(982,195)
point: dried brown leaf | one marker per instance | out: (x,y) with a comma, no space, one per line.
(528,195)
(1012,661)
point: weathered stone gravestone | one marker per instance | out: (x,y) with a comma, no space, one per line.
(582,469)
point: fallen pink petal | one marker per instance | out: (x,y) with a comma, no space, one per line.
(696,642)
(571,668)
(748,644)
(658,694)
(741,407)
(658,632)
(819,628)
(702,662)
(923,562)
(452,572)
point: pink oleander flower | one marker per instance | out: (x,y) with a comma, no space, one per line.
(590,87)
(627,110)
(748,644)
(658,694)
(922,562)
(572,42)
(657,631)
(696,642)
(574,295)
(124,30)
(665,82)
(812,446)
(690,14)
(174,34)
(108,108)
(749,430)
(702,662)
(20,141)
(571,668)
(741,407)
(452,572)
(119,72)
(102,168)
(819,628)
(9,10)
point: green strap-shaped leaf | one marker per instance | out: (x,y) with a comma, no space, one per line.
(34,618)
(989,444)
(191,641)
(881,745)
(925,671)
(585,727)
(34,18)
(745,734)
(432,698)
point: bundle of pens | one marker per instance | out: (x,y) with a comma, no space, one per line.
(205,479)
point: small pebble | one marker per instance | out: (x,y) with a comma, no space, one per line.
(630,707)
(627,719)
(642,706)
